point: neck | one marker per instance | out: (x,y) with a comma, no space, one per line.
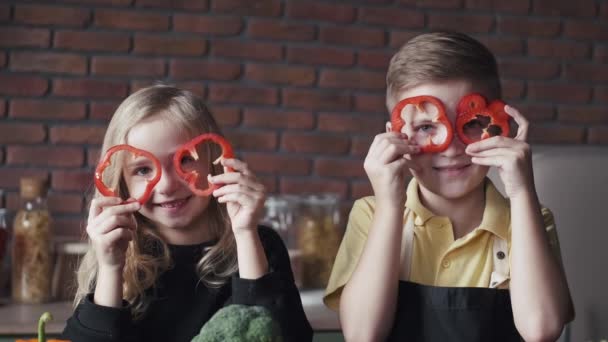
(463,212)
(195,233)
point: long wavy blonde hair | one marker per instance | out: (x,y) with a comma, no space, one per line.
(147,255)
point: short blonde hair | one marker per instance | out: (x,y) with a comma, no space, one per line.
(148,255)
(441,56)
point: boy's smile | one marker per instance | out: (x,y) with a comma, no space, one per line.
(450,173)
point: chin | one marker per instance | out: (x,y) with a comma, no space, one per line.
(457,187)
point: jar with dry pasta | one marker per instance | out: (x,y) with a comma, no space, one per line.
(31,251)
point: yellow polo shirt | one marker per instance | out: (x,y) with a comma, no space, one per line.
(437,259)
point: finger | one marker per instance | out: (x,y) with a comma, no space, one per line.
(492,143)
(117,235)
(522,122)
(241,198)
(237,178)
(98,203)
(126,208)
(236,165)
(232,188)
(380,141)
(100,227)
(488,161)
(397,151)
(503,152)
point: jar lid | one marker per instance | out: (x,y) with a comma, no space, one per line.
(32,187)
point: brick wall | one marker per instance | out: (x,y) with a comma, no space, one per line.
(297,85)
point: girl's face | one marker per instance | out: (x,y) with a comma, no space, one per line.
(172,207)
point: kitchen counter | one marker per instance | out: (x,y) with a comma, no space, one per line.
(22,319)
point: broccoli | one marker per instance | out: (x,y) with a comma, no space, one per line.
(240,323)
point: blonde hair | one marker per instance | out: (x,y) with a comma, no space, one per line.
(441,56)
(147,255)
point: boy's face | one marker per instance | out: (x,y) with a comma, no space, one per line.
(449,174)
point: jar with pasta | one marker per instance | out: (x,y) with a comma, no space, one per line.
(31,250)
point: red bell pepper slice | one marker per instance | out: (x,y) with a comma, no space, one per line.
(492,119)
(106,161)
(439,120)
(189,149)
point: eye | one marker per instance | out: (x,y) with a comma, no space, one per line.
(186,159)
(142,171)
(425,128)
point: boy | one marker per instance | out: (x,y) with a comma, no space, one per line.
(447,257)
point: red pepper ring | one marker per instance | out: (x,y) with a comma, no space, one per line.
(189,148)
(104,190)
(397,121)
(472,107)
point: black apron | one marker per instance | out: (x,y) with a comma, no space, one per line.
(471,314)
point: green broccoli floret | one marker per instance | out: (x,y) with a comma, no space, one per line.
(240,323)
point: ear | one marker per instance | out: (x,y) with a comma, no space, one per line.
(388,126)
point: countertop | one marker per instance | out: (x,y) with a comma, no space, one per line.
(22,319)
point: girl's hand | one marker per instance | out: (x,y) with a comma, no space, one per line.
(512,157)
(243,194)
(111,225)
(387,163)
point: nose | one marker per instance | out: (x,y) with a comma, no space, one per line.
(455,149)
(169,182)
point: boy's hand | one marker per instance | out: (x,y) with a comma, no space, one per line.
(243,194)
(512,156)
(387,163)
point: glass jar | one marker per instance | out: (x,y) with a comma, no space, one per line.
(31,250)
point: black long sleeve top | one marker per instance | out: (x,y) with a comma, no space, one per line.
(181,304)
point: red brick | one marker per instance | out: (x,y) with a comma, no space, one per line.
(320,56)
(196,87)
(248,50)
(512,90)
(374,59)
(280,30)
(49,62)
(603,13)
(1,161)
(370,103)
(46,109)
(205,70)
(24,37)
(21,85)
(198,5)
(5,12)
(350,123)
(586,72)
(89,88)
(398,38)
(392,17)
(314,143)
(445,4)
(131,20)
(556,134)
(583,114)
(169,45)
(3,105)
(345,168)
(102,110)
(600,54)
(72,180)
(356,36)
(248,7)
(316,99)
(313,185)
(320,11)
(91,41)
(93,156)
(52,15)
(224,93)
(226,116)
(253,140)
(45,156)
(558,49)
(527,69)
(21,133)
(215,25)
(9,177)
(270,118)
(77,134)
(346,79)
(280,74)
(360,145)
(601,94)
(69,228)
(535,112)
(127,66)
(585,29)
(565,8)
(470,23)
(101,2)
(503,46)
(529,26)
(359,189)
(269,182)
(598,135)
(66,203)
(277,164)
(3,59)
(514,6)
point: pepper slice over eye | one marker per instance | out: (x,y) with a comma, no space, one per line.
(476,120)
(134,152)
(188,153)
(423,119)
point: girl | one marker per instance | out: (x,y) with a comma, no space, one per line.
(158,271)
